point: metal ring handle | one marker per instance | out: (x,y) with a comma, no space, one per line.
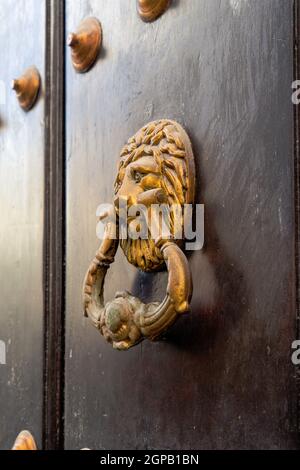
(126,320)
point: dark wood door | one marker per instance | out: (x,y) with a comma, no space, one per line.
(222,376)
(22,35)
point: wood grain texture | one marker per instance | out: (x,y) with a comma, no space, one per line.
(21,235)
(222,378)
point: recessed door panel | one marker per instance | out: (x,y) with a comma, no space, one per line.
(22,37)
(222,377)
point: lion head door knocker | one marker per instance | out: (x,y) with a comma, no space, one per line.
(156,169)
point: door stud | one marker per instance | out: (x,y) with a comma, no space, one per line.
(27,88)
(25,441)
(85,44)
(149,10)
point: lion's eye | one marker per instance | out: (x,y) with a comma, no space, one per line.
(137,176)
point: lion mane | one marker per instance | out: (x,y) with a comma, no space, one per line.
(162,140)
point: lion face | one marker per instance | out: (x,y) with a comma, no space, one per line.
(138,177)
(155,158)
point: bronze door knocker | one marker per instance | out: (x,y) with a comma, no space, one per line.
(156,165)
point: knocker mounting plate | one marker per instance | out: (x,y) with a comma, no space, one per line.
(156,166)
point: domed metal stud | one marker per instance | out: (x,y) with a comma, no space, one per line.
(27,88)
(149,10)
(85,44)
(25,441)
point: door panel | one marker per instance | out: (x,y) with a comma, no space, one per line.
(22,36)
(222,376)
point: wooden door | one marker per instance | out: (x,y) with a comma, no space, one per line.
(222,377)
(22,36)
